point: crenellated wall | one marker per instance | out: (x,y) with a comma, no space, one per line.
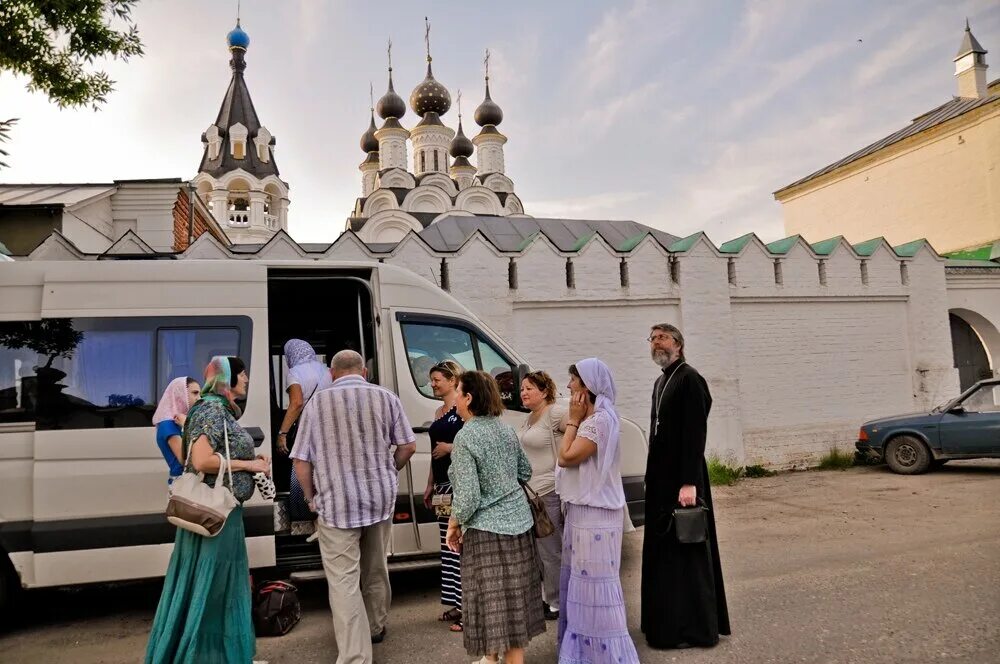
(800,343)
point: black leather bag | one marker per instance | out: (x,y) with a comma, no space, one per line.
(276,609)
(690,524)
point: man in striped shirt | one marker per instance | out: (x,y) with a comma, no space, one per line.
(353,438)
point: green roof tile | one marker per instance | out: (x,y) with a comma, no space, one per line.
(826,247)
(527,241)
(868,247)
(910,249)
(583,240)
(685,243)
(983,253)
(631,243)
(735,246)
(783,246)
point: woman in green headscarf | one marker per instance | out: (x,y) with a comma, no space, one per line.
(204,611)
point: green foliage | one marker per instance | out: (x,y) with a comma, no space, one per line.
(721,474)
(5,127)
(836,460)
(51,41)
(757,471)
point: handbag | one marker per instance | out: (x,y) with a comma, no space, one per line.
(197,507)
(543,524)
(690,524)
(276,609)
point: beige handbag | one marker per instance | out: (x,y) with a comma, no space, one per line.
(197,507)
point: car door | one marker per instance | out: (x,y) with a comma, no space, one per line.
(973,426)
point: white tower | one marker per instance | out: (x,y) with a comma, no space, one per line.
(238,177)
(970,67)
(489,142)
(392,136)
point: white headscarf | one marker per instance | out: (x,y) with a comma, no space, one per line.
(305,368)
(596,375)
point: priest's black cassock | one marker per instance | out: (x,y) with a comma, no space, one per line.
(683,597)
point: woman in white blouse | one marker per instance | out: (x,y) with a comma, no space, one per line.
(540,434)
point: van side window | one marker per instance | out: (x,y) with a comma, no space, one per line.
(20,343)
(102,373)
(429,343)
(187,351)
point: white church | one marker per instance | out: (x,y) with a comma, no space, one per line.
(801,339)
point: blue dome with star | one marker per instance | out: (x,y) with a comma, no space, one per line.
(237,38)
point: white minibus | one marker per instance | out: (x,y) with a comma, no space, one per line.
(87,347)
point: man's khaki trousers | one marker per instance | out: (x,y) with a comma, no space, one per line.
(357,575)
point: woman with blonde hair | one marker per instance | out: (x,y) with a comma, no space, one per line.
(540,434)
(438,494)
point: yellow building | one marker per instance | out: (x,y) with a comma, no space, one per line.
(937,178)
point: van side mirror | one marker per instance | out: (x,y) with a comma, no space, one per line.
(957,410)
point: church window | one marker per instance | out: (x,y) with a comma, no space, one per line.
(904,274)
(864,272)
(822,273)
(570,274)
(732,271)
(623,273)
(423,162)
(779,279)
(675,270)
(512,274)
(238,151)
(436,166)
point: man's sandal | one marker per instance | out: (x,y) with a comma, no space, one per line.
(457,626)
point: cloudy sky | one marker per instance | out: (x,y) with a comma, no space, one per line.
(684,115)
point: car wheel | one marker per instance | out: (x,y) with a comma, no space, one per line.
(907,455)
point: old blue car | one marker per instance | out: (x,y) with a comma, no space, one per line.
(966,427)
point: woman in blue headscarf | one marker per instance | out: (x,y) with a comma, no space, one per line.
(204,610)
(592,624)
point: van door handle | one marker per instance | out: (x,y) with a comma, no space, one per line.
(257,434)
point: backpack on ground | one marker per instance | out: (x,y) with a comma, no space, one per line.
(276,608)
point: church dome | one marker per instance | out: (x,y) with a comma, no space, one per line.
(430,96)
(489,112)
(237,38)
(391,105)
(368,141)
(461,146)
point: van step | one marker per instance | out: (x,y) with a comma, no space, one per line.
(305,575)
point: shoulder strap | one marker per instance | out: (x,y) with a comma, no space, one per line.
(552,437)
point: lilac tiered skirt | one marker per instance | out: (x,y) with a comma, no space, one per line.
(592,623)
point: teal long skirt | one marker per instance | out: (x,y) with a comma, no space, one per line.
(204,611)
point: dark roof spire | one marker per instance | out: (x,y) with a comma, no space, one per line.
(461,146)
(489,112)
(368,141)
(237,108)
(969,43)
(391,105)
(429,96)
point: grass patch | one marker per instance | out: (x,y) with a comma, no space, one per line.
(719,474)
(757,471)
(836,460)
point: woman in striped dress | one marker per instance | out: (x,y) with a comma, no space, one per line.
(438,494)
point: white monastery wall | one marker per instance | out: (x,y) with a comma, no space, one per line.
(794,368)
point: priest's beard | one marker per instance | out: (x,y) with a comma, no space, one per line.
(663,358)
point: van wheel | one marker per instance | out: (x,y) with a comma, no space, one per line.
(907,455)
